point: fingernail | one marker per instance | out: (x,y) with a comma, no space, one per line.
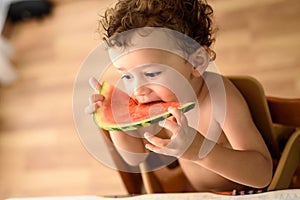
(91,100)
(94,83)
(162,123)
(99,103)
(88,110)
(91,82)
(148,147)
(147,135)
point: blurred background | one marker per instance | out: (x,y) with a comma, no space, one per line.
(40,151)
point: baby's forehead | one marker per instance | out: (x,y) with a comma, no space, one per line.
(149,38)
(146,59)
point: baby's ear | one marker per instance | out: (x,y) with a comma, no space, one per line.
(200,60)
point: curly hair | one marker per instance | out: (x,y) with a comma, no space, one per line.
(193,18)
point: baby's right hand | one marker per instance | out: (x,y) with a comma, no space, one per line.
(95,101)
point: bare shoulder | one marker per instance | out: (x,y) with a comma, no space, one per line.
(224,96)
(238,123)
(234,98)
(216,83)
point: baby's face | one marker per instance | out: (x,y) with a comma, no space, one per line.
(153,75)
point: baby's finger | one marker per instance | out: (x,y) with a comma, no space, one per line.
(89,109)
(96,97)
(177,114)
(156,141)
(153,148)
(170,125)
(94,83)
(92,108)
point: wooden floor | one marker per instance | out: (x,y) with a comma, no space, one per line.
(40,151)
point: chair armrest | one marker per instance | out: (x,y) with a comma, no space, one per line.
(285,111)
(287,164)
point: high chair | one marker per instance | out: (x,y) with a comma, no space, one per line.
(277,119)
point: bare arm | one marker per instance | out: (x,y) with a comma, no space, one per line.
(247,160)
(129,144)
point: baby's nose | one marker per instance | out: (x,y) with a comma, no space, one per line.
(142,90)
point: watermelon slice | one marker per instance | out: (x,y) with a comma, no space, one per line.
(119,112)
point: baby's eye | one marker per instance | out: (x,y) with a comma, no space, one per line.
(152,74)
(126,76)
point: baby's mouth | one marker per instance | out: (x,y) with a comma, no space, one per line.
(153,102)
(146,100)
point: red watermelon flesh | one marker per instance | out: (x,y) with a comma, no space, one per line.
(120,112)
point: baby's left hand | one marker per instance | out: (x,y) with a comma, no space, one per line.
(181,138)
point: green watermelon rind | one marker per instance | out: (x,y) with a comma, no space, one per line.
(143,123)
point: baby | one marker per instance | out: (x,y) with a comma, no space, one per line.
(162,48)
